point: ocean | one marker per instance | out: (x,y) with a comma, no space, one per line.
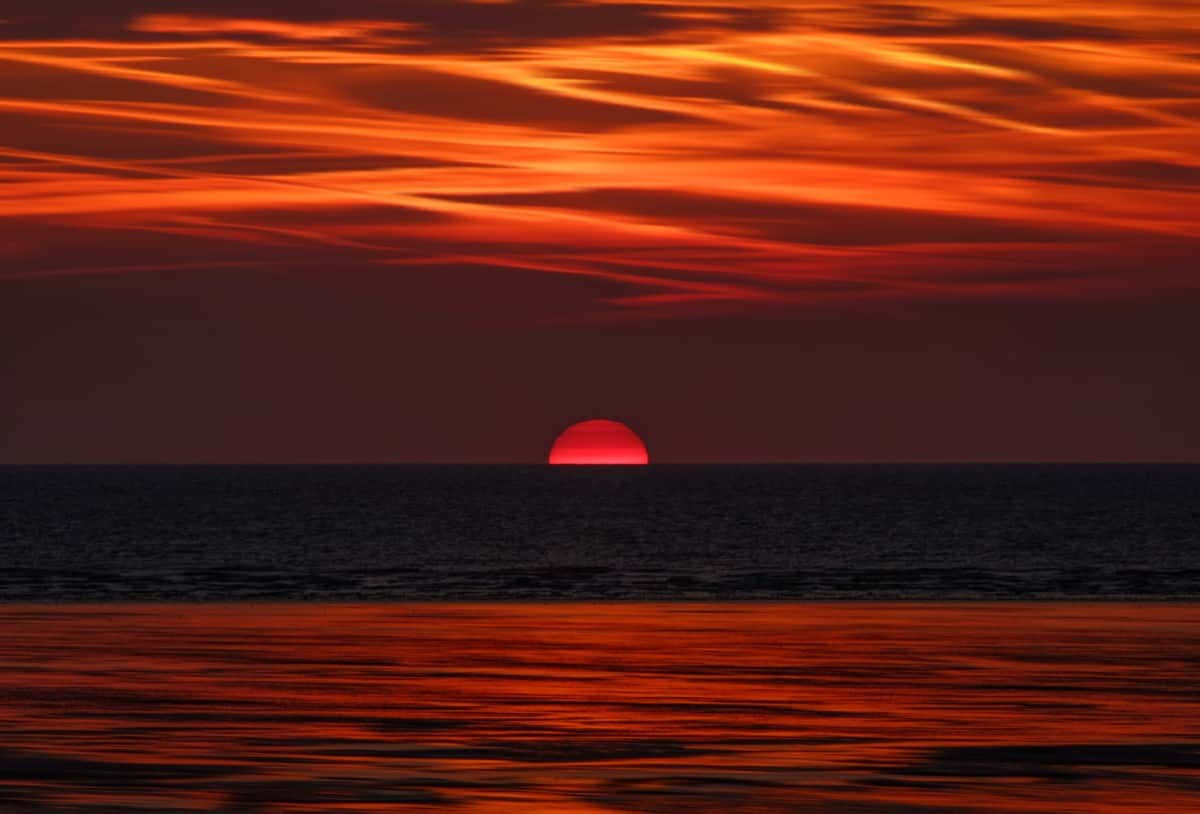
(354,533)
(600,708)
(653,640)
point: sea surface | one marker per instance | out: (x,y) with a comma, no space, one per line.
(600,708)
(352,533)
(458,646)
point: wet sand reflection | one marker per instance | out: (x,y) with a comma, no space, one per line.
(587,707)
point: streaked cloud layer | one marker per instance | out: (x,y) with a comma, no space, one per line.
(689,157)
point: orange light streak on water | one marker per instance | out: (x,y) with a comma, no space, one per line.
(586,707)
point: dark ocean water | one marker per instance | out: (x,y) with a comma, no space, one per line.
(659,532)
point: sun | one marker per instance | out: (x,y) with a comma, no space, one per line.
(598,441)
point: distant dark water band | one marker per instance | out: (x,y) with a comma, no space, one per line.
(594,583)
(530,533)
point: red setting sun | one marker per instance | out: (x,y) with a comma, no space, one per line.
(598,441)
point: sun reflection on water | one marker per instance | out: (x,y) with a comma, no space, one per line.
(588,707)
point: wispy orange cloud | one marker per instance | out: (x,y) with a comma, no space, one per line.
(328,30)
(768,155)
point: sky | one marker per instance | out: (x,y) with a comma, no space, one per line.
(442,231)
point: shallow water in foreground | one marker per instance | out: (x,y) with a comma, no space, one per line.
(594,707)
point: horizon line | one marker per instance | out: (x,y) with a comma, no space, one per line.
(680,463)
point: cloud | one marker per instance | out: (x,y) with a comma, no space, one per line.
(188,24)
(445,23)
(691,154)
(1014,28)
